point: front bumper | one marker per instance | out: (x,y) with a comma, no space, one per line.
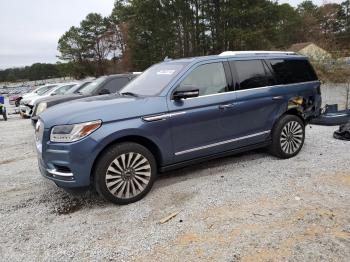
(25,110)
(69,165)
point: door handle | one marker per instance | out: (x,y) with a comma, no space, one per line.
(278,98)
(226,106)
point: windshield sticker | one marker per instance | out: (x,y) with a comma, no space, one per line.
(166,72)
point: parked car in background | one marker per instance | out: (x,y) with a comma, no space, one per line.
(31,93)
(27,102)
(14,98)
(103,85)
(41,104)
(178,113)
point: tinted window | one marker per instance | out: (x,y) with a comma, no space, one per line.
(115,84)
(292,71)
(209,79)
(252,74)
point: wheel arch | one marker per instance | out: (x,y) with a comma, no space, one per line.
(146,142)
(296,112)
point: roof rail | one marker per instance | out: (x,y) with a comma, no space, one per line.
(233,53)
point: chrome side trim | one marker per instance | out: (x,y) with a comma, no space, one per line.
(221,143)
(162,116)
(334,115)
(54,172)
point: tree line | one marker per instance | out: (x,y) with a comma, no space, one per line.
(36,71)
(139,33)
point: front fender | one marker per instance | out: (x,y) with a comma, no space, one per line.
(156,132)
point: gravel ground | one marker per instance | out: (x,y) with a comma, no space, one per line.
(249,207)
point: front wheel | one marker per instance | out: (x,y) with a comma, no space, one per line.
(288,137)
(125,173)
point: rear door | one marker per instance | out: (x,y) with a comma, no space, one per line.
(256,104)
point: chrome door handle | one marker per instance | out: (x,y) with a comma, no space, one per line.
(278,98)
(226,106)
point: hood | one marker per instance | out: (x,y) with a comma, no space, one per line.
(29,96)
(54,100)
(32,100)
(107,108)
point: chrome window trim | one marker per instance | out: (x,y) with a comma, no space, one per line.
(221,143)
(256,88)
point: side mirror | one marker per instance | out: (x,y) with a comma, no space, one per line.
(104,92)
(183,94)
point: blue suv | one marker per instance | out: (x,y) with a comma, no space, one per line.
(179,112)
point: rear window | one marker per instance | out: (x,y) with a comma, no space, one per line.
(292,71)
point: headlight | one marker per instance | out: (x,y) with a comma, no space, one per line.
(71,133)
(41,108)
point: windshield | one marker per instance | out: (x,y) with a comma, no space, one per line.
(44,89)
(154,79)
(77,88)
(63,89)
(90,88)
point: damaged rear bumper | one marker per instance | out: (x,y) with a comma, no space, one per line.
(332,117)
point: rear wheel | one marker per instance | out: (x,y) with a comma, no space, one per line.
(288,136)
(125,173)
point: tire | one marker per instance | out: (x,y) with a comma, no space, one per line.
(4,115)
(288,136)
(125,173)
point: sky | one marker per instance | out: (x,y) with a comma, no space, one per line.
(30,29)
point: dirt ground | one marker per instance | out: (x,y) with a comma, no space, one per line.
(249,207)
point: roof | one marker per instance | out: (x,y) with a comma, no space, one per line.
(240,55)
(299,46)
(235,53)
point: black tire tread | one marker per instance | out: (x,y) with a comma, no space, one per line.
(105,159)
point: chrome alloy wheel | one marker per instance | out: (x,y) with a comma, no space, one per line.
(128,175)
(292,136)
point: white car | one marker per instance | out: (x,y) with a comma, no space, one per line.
(38,91)
(28,101)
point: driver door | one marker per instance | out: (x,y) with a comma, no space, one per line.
(196,122)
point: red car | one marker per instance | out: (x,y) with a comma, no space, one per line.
(15,99)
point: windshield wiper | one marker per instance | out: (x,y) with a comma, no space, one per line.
(129,94)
